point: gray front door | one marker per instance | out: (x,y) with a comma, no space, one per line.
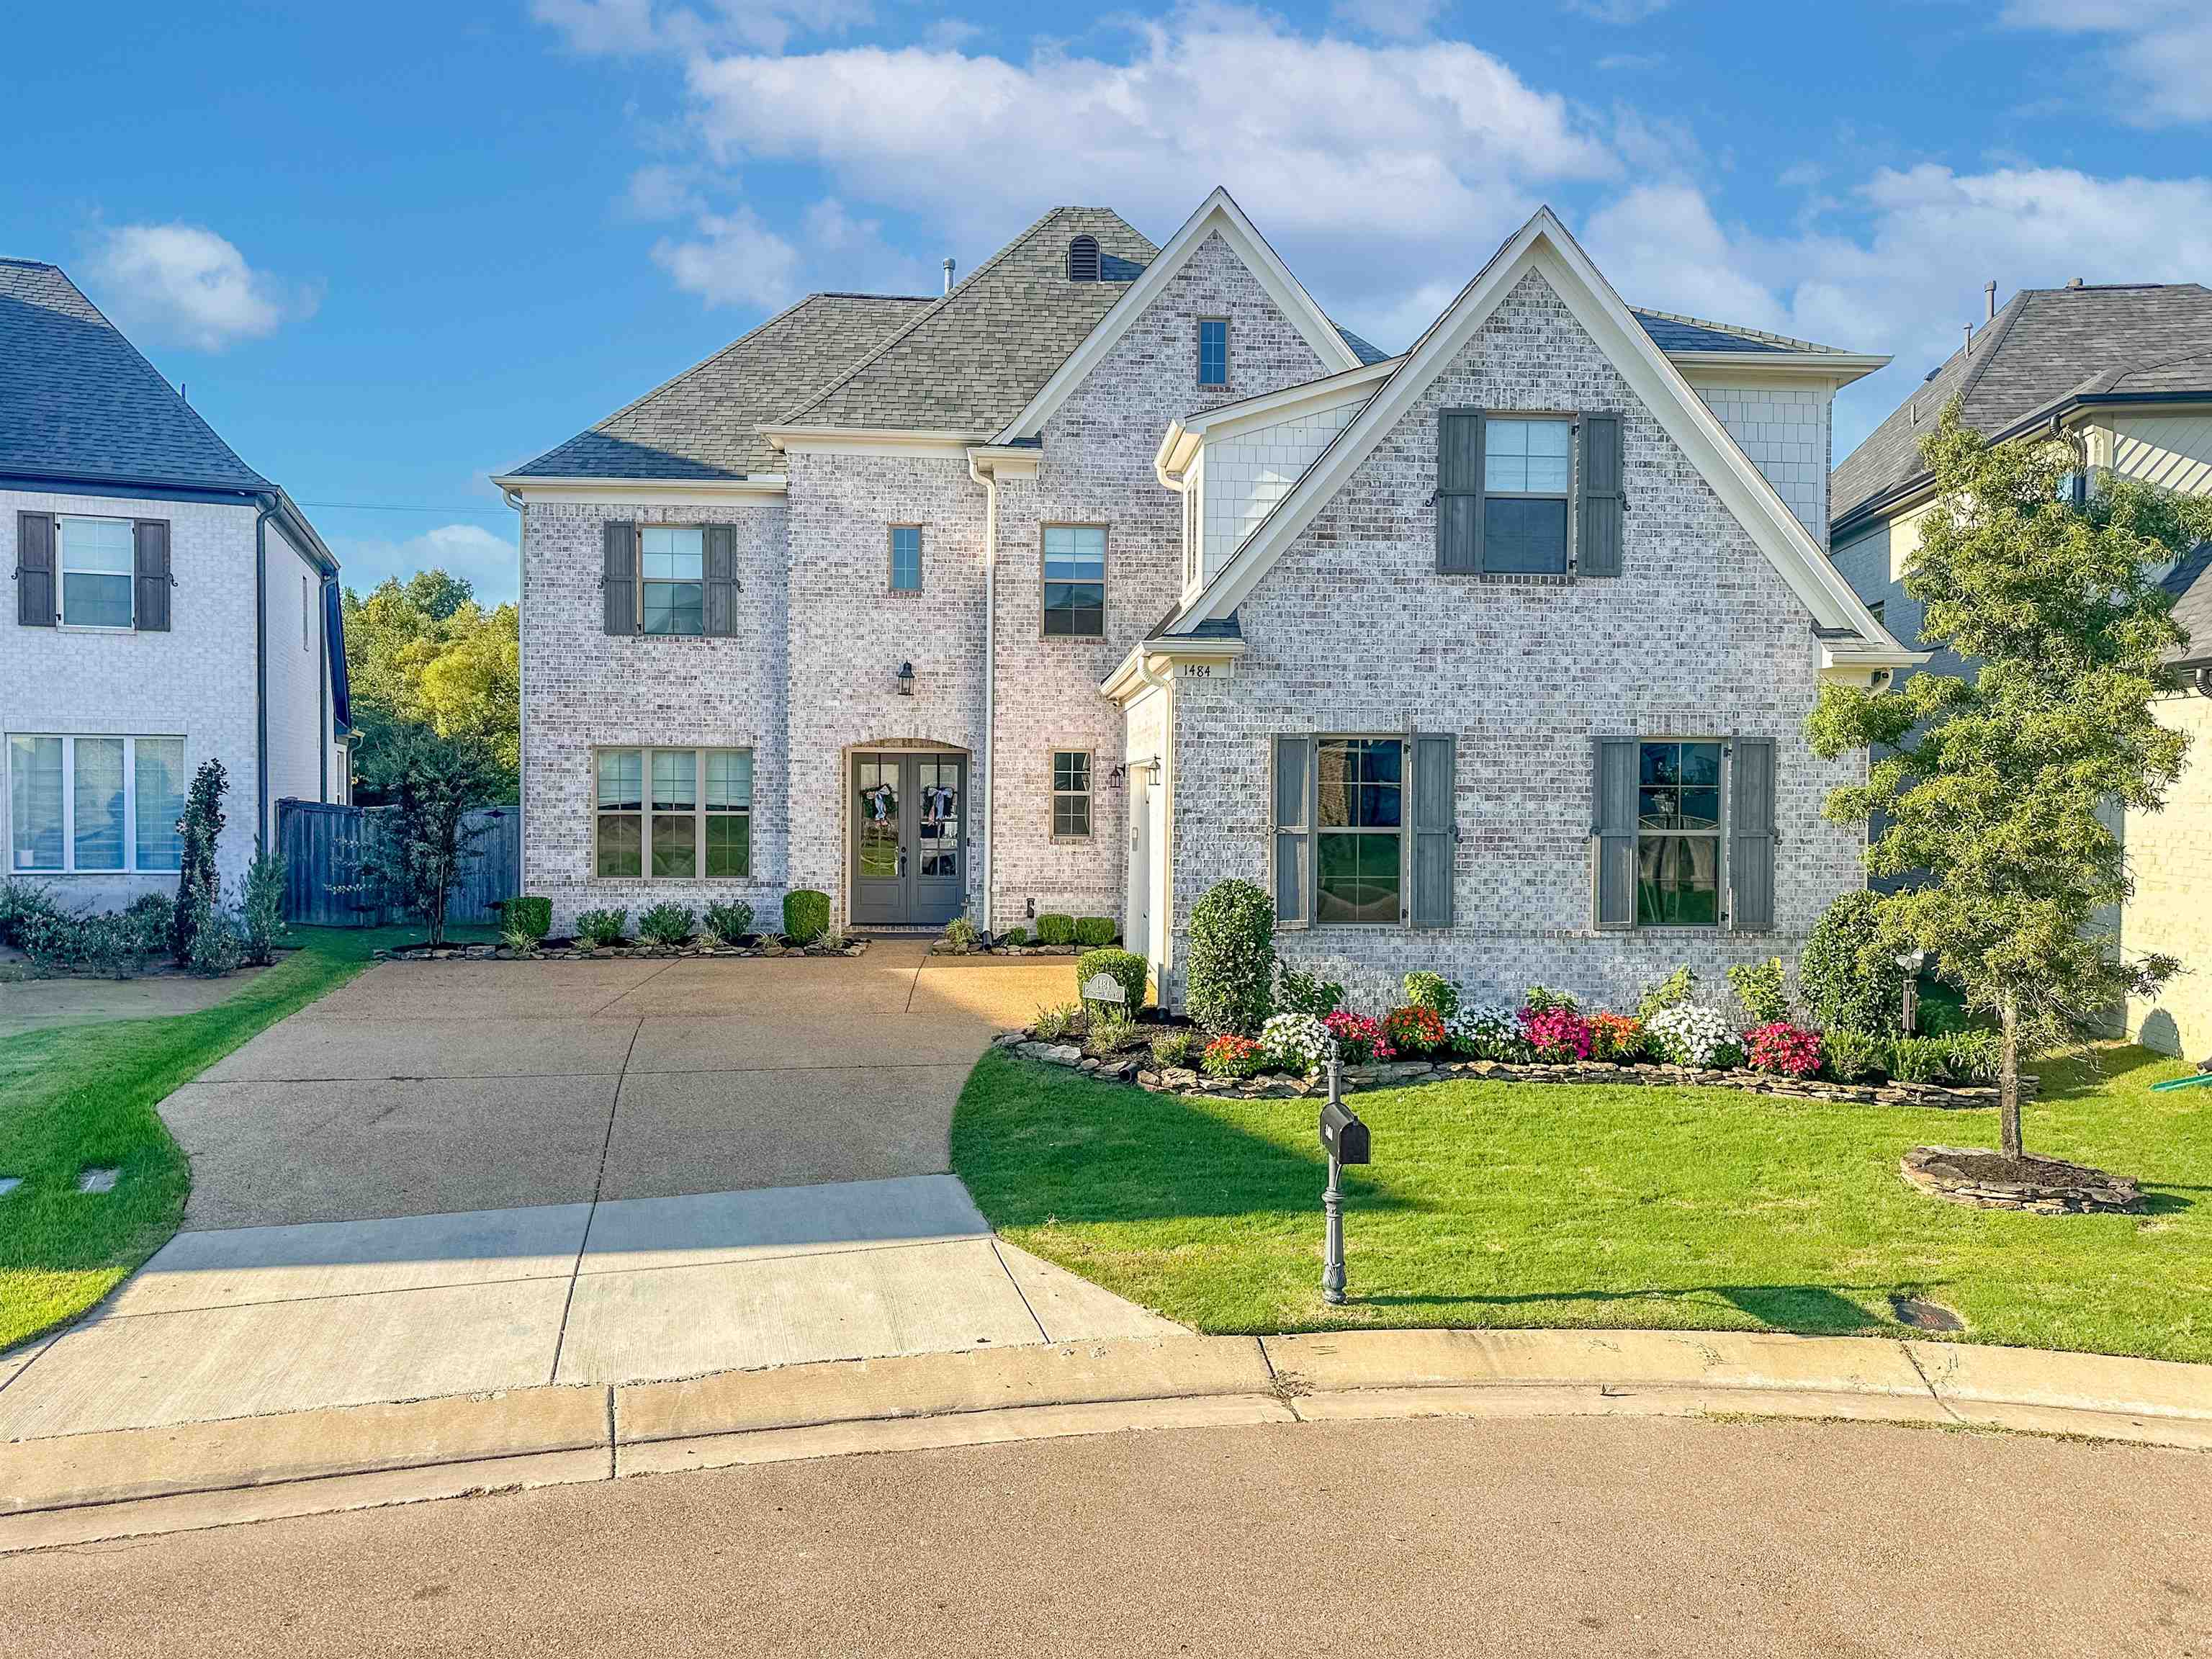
(909,841)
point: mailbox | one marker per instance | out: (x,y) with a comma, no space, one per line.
(1343,1134)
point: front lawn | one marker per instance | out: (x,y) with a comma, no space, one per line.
(1502,1204)
(83,1097)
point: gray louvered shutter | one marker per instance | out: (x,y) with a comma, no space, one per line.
(1613,829)
(1293,838)
(721,598)
(149,540)
(1605,500)
(34,569)
(1751,835)
(1436,827)
(618,576)
(1459,489)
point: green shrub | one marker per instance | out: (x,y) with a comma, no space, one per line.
(520,941)
(667,924)
(1108,1032)
(1055,929)
(200,827)
(729,922)
(530,915)
(1850,980)
(1232,957)
(805,916)
(1543,999)
(1297,992)
(1850,1056)
(22,903)
(1678,988)
(1128,969)
(1972,1056)
(111,944)
(1013,936)
(602,928)
(262,911)
(1761,990)
(960,933)
(1919,1058)
(1092,932)
(1055,1020)
(1433,992)
(218,941)
(1179,1047)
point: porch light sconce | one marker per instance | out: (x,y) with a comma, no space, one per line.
(906,679)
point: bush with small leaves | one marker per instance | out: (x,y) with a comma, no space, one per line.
(1108,1032)
(1126,968)
(1231,971)
(1092,932)
(1432,991)
(218,940)
(1761,991)
(1232,1055)
(1013,936)
(805,916)
(1055,929)
(261,907)
(1297,992)
(960,933)
(530,914)
(1851,980)
(1056,1020)
(1677,988)
(1178,1048)
(1850,1056)
(23,905)
(667,925)
(600,928)
(728,923)
(1919,1058)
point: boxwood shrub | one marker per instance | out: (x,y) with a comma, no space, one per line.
(667,924)
(1232,957)
(530,915)
(602,927)
(805,916)
(1093,932)
(1055,929)
(1127,967)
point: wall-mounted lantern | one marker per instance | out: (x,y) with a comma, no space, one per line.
(906,679)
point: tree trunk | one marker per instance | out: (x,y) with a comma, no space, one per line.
(2009,1077)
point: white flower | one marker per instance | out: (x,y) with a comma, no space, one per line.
(1691,1033)
(1488,1030)
(1297,1043)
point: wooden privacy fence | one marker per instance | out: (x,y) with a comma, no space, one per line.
(321,846)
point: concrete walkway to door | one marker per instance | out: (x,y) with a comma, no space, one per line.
(455,1177)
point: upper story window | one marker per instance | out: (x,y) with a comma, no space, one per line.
(97,567)
(906,558)
(1071,794)
(80,805)
(1075,581)
(1527,468)
(1083,262)
(672,571)
(1213,351)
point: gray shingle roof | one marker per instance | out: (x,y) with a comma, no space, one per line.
(701,424)
(2189,581)
(973,361)
(1670,331)
(2048,345)
(78,401)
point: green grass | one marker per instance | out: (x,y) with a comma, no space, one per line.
(84,1096)
(1500,1205)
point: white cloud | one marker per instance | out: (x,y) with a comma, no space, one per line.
(1619,13)
(1404,19)
(2161,50)
(488,561)
(661,191)
(734,259)
(629,27)
(181,284)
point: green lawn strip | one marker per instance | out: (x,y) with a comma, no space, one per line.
(83,1097)
(1505,1204)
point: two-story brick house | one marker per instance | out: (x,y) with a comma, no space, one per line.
(1025,598)
(171,606)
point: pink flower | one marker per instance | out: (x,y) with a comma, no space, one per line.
(1358,1037)
(1784,1049)
(1556,1034)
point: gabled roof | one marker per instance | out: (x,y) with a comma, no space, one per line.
(2189,581)
(705,422)
(79,402)
(2048,347)
(1849,634)
(969,361)
(1672,331)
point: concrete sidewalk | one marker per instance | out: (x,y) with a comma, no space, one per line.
(77,1488)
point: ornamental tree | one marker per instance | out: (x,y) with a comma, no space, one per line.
(425,837)
(1988,782)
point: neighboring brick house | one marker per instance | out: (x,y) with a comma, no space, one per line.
(958,599)
(2123,372)
(135,540)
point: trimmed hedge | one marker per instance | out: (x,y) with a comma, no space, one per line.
(1093,932)
(1129,969)
(530,915)
(1232,957)
(1055,929)
(805,916)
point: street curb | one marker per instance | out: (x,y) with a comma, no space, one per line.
(126,1483)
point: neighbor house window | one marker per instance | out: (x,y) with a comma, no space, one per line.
(97,564)
(673,569)
(1359,851)
(1213,351)
(682,814)
(1678,835)
(1075,579)
(1071,794)
(87,805)
(906,558)
(1527,467)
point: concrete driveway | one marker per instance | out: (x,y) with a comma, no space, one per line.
(451,1177)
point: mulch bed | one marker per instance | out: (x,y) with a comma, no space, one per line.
(2039,1185)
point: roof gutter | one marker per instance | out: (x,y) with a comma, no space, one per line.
(989,480)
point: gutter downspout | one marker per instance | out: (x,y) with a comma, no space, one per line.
(261,826)
(990,483)
(514,499)
(323,692)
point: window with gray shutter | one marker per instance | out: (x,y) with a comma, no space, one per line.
(1613,829)
(1604,498)
(1751,835)
(1436,827)
(1293,836)
(1459,489)
(721,598)
(150,538)
(618,576)
(34,569)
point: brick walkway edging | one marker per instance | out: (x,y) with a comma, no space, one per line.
(134,1482)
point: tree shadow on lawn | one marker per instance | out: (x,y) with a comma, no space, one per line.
(1818,1309)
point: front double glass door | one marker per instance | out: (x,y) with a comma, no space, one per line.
(909,849)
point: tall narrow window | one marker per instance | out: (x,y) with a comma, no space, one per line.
(906,558)
(1075,579)
(1527,467)
(729,812)
(622,812)
(675,812)
(1213,351)
(97,567)
(1071,794)
(1678,835)
(673,569)
(99,791)
(1359,851)
(34,802)
(158,773)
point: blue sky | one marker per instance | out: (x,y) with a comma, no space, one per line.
(390,253)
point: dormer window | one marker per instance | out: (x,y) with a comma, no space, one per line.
(1083,259)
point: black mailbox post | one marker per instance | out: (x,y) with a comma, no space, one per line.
(1343,1134)
(1343,1137)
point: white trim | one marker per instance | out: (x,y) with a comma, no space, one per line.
(1839,367)
(1217,212)
(870,441)
(1543,245)
(587,492)
(1005,461)
(1183,437)
(1133,676)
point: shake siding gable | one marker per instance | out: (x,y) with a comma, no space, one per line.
(1352,631)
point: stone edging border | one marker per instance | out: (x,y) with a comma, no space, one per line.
(614,953)
(1397,1074)
(127,1483)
